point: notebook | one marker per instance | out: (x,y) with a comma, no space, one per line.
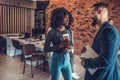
(89,53)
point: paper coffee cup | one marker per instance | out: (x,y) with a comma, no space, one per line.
(66,37)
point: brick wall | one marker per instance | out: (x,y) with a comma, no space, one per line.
(81,10)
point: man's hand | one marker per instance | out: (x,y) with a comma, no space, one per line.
(82,61)
(83,50)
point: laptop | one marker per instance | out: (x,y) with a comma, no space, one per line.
(26,35)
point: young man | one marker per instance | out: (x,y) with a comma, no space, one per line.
(106,45)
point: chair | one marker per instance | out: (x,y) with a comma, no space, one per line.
(2,44)
(16,45)
(30,54)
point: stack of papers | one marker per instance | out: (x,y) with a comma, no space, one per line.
(89,53)
(33,40)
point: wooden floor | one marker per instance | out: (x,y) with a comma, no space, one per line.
(11,69)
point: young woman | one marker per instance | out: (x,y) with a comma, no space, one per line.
(59,37)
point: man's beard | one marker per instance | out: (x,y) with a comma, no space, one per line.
(94,22)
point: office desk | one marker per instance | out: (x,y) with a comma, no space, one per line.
(10,49)
(38,44)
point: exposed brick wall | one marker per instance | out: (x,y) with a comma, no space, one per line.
(81,10)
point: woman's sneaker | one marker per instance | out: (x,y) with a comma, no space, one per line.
(75,76)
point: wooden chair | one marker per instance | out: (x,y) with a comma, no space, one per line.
(30,54)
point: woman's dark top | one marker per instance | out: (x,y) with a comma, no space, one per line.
(55,37)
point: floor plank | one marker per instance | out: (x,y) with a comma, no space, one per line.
(11,69)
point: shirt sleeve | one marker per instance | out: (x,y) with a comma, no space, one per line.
(48,41)
(72,35)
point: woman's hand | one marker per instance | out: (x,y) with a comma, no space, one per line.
(64,43)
